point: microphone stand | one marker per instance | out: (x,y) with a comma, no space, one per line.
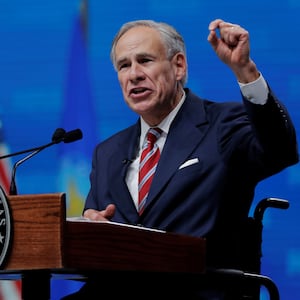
(27,150)
(13,186)
(60,135)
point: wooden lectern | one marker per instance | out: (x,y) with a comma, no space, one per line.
(45,244)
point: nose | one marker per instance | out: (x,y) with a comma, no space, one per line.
(136,73)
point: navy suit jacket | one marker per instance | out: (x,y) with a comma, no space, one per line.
(213,158)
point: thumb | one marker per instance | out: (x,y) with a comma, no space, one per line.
(213,39)
(109,211)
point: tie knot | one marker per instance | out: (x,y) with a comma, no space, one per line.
(153,134)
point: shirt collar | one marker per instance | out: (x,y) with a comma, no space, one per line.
(165,124)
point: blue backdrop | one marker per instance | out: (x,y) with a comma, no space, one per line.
(35,46)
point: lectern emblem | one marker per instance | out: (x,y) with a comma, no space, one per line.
(5,227)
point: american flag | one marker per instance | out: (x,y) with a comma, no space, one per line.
(9,289)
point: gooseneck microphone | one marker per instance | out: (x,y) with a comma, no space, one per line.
(71,136)
(60,135)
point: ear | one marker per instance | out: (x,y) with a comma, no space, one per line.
(180,65)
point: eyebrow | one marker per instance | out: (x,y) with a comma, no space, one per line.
(138,56)
(121,61)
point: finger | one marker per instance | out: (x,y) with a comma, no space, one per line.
(215,24)
(212,36)
(231,34)
(109,211)
(226,32)
(213,39)
(92,214)
(224,24)
(231,38)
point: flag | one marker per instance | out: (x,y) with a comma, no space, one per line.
(9,289)
(5,164)
(78,112)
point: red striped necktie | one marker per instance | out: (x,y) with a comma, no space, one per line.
(148,162)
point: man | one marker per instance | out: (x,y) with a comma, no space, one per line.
(211,155)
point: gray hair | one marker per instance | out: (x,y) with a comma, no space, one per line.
(171,38)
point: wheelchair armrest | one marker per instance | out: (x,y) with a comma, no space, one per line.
(259,279)
(269,202)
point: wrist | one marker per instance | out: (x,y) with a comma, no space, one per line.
(247,73)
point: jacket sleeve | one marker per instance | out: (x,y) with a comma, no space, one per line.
(274,129)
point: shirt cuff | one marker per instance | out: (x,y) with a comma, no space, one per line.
(256,91)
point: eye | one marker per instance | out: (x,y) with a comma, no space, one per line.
(123,66)
(145,60)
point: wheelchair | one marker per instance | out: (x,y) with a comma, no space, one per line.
(249,278)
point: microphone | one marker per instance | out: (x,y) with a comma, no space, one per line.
(127,161)
(60,135)
(72,136)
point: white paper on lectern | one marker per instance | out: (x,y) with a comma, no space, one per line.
(83,219)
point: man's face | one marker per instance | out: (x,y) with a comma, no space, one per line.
(149,80)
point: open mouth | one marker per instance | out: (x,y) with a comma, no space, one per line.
(137,91)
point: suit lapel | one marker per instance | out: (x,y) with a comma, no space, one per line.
(125,151)
(185,134)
